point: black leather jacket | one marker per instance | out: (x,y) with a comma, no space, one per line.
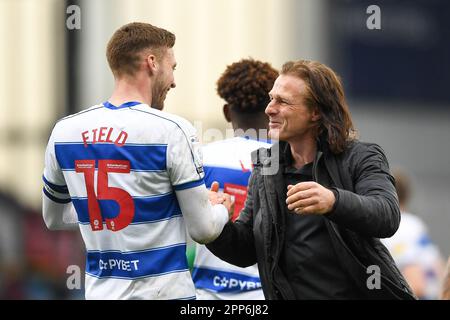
(366,209)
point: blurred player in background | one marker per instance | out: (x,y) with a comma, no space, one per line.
(134,176)
(416,255)
(244,86)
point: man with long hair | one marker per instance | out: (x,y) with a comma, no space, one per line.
(312,225)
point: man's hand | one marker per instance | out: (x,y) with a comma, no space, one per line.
(309,198)
(214,196)
(221,198)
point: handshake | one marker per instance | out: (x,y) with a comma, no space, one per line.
(216,197)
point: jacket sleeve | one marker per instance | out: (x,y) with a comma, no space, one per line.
(236,244)
(373,209)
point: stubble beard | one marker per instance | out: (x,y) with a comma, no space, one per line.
(158,96)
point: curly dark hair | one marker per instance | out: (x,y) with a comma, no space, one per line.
(245,85)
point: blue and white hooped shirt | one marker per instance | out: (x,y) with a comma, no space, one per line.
(120,168)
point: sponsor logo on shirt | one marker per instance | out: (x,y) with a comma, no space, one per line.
(118,264)
(232,283)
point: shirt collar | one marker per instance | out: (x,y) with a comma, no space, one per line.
(128,104)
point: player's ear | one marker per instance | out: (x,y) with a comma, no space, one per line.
(152,63)
(315,115)
(226,112)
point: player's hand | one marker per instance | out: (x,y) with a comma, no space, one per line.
(221,198)
(214,196)
(310,198)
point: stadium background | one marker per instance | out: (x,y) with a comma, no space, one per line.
(397,82)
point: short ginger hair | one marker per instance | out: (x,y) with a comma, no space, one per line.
(128,42)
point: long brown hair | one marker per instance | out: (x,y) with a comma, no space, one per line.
(325,94)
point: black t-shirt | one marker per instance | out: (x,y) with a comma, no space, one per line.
(307,259)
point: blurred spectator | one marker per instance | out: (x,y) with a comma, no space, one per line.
(48,255)
(412,249)
(34,262)
(446,284)
(11,248)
